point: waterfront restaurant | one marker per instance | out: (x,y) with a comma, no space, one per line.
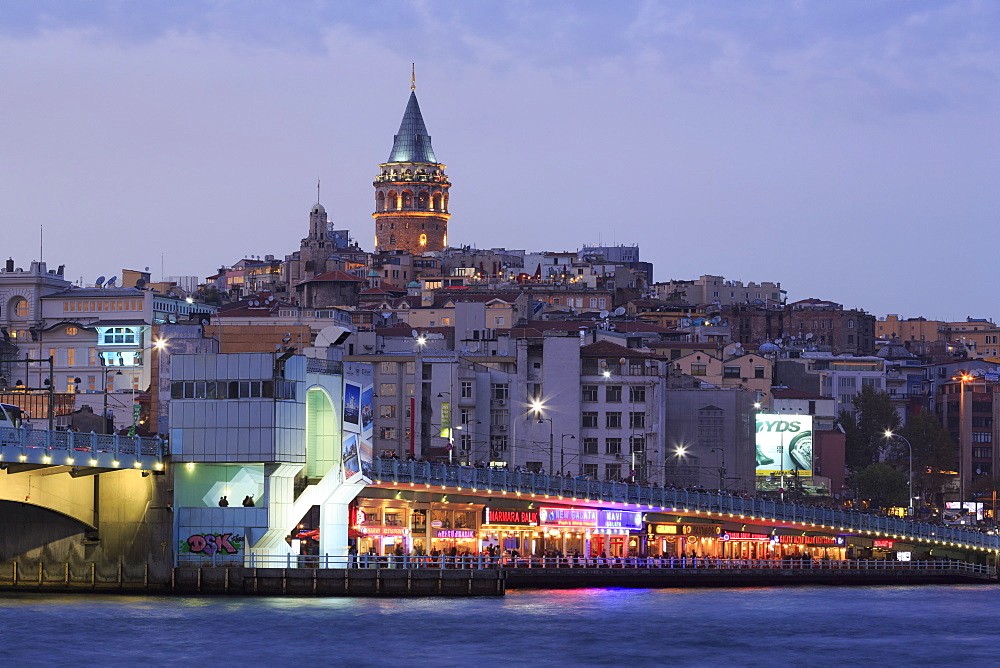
(591,531)
(680,540)
(509,529)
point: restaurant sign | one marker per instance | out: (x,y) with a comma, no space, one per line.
(510,516)
(810,540)
(743,537)
(456,533)
(884,544)
(372,530)
(590,518)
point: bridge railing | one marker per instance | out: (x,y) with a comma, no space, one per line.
(477,562)
(469,477)
(42,446)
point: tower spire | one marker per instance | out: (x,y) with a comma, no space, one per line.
(413,76)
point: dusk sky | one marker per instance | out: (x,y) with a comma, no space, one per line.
(849,150)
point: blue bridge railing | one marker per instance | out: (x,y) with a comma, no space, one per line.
(23,445)
(426,473)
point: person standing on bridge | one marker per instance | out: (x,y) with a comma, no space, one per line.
(223,502)
(248,501)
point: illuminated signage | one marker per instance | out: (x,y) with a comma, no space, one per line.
(701,530)
(383,531)
(619,519)
(456,533)
(666,529)
(810,540)
(510,517)
(884,544)
(743,537)
(590,518)
(568,517)
(784,444)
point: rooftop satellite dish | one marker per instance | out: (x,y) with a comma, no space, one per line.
(620,310)
(733,351)
(777,342)
(146,269)
(604,314)
(414,333)
(809,336)
(99,282)
(111,281)
(140,283)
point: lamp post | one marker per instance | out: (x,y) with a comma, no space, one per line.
(552,447)
(104,413)
(889,435)
(562,452)
(963,377)
(722,468)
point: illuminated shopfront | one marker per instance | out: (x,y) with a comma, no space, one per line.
(591,531)
(509,529)
(746,545)
(680,540)
(453,531)
(817,547)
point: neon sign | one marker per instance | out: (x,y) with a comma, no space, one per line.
(568,517)
(506,516)
(743,537)
(456,533)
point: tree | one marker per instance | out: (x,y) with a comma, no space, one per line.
(865,429)
(882,485)
(935,455)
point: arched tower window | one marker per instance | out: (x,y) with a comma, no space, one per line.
(423,239)
(380,201)
(436,202)
(407,199)
(391,200)
(422,200)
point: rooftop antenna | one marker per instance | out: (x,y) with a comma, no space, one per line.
(41,243)
(413,76)
(317,191)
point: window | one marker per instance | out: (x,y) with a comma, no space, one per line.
(637,420)
(409,389)
(115,335)
(387,411)
(612,471)
(72,331)
(387,367)
(91,383)
(387,390)
(411,368)
(465,442)
(613,420)
(612,446)
(498,418)
(500,391)
(388,433)
(589,420)
(466,389)
(731,372)
(698,370)
(758,372)
(590,446)
(637,395)
(847,381)
(70,384)
(20,308)
(71,357)
(982,453)
(637,444)
(590,470)
(589,393)
(498,321)
(464,415)
(613,394)
(498,443)
(982,437)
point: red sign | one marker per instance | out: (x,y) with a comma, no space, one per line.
(505,516)
(743,537)
(884,544)
(807,540)
(383,531)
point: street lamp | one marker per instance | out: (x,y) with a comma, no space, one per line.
(552,447)
(562,452)
(889,435)
(722,468)
(963,377)
(451,432)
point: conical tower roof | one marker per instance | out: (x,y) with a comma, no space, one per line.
(412,143)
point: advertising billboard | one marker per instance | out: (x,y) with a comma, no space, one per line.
(784,444)
(358,423)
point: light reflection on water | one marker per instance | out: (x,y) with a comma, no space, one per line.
(932,625)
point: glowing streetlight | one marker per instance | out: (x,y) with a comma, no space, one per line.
(889,435)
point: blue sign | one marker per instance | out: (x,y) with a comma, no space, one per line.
(619,519)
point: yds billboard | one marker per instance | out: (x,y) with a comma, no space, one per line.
(784,444)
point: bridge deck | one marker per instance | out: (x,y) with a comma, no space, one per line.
(721,506)
(24,445)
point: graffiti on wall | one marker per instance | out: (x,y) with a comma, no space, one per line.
(212,543)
